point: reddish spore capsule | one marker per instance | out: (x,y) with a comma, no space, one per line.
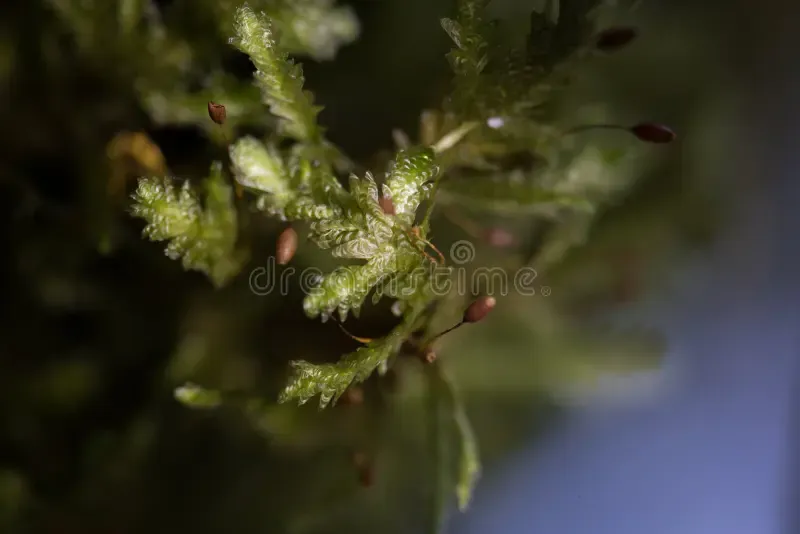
(479,309)
(429,356)
(286,246)
(497,237)
(364,469)
(217,113)
(651,132)
(387,205)
(613,39)
(353,396)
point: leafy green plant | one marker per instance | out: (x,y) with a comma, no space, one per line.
(501,142)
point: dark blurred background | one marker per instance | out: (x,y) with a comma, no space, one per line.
(99,327)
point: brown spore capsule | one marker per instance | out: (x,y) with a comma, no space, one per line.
(613,39)
(364,469)
(217,113)
(386,205)
(652,132)
(498,237)
(479,309)
(353,396)
(286,246)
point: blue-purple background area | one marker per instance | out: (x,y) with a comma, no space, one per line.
(717,453)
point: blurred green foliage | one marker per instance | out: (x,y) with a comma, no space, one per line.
(99,327)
